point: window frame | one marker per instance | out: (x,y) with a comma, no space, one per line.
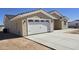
(42,20)
(30,20)
(47,20)
(36,20)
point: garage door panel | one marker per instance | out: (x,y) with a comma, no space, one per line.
(46,25)
(33,28)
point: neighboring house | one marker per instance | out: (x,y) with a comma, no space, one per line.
(73,24)
(34,22)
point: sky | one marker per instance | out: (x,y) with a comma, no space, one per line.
(71,13)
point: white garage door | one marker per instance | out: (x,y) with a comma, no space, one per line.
(38,26)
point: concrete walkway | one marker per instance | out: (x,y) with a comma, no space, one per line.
(58,40)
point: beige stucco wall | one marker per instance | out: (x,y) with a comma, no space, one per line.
(17,27)
(14,27)
(6,22)
(64,26)
(40,15)
(24,27)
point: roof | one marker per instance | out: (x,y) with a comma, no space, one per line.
(55,11)
(33,11)
(10,16)
(28,13)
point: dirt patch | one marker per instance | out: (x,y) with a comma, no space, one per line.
(74,32)
(10,41)
(20,44)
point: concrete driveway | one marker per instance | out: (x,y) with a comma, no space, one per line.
(58,39)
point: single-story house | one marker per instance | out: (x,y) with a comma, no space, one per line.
(73,24)
(35,22)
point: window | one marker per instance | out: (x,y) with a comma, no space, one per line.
(47,20)
(36,20)
(30,20)
(42,20)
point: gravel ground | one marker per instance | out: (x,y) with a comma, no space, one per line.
(14,42)
(75,31)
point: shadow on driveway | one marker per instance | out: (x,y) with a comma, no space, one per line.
(4,36)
